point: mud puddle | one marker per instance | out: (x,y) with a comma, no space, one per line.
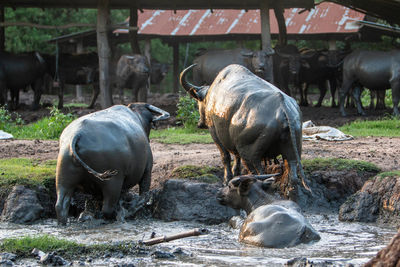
(341,243)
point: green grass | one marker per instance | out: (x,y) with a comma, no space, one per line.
(48,128)
(27,172)
(389,174)
(311,165)
(180,135)
(76,105)
(389,127)
(204,174)
(22,246)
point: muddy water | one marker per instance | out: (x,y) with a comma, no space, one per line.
(341,243)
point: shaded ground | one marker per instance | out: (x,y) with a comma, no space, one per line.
(382,151)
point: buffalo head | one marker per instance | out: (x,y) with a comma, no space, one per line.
(261,62)
(149,114)
(243,192)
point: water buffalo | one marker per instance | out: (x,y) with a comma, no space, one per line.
(17,71)
(104,153)
(250,118)
(318,72)
(209,63)
(375,70)
(74,69)
(270,222)
(133,72)
(287,64)
(158,71)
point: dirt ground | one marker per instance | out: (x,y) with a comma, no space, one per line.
(379,150)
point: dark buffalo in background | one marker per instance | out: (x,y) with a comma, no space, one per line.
(158,71)
(79,69)
(133,71)
(105,153)
(320,70)
(375,70)
(287,64)
(251,119)
(209,63)
(17,71)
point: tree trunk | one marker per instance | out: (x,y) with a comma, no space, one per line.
(104,52)
(278,10)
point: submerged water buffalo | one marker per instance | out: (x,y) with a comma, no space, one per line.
(104,153)
(209,63)
(17,71)
(375,70)
(250,118)
(133,72)
(270,222)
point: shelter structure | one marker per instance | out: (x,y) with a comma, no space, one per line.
(326,21)
(103,7)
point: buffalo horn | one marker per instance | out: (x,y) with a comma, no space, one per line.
(190,88)
(261,176)
(164,115)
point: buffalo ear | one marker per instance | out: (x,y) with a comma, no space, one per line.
(245,185)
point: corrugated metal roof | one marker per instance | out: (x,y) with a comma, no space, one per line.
(324,18)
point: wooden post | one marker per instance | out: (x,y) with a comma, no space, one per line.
(265,27)
(104,52)
(278,10)
(175,47)
(266,32)
(147,54)
(2,30)
(332,45)
(79,94)
(133,37)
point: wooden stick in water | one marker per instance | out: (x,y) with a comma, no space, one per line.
(161,239)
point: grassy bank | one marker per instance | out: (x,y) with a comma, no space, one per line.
(23,246)
(181,135)
(387,127)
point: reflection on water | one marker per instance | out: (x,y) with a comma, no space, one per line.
(340,243)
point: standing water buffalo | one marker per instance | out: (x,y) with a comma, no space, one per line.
(375,70)
(209,63)
(287,64)
(270,222)
(158,71)
(133,72)
(17,71)
(74,69)
(250,118)
(106,152)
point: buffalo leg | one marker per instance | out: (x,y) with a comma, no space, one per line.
(64,195)
(111,194)
(357,98)
(226,158)
(322,93)
(332,88)
(96,91)
(396,97)
(144,185)
(342,95)
(303,95)
(37,89)
(380,99)
(60,95)
(236,165)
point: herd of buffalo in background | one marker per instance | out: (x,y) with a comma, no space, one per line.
(293,71)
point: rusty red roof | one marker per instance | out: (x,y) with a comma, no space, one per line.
(324,18)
